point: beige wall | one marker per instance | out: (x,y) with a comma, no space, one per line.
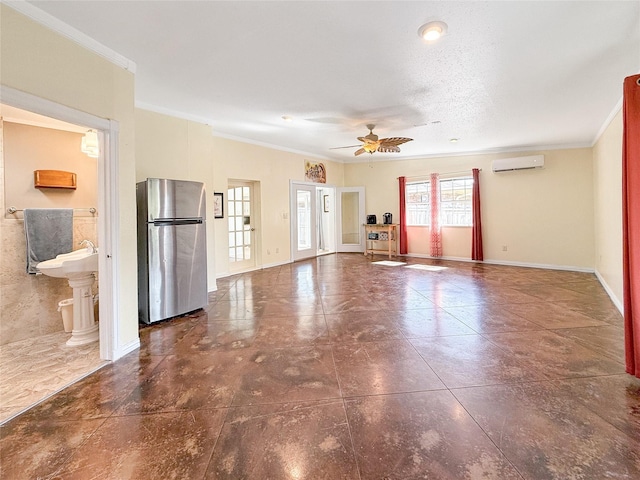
(29,302)
(169,147)
(28,148)
(607,187)
(273,169)
(36,60)
(544,217)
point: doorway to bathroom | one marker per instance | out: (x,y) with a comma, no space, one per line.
(38,360)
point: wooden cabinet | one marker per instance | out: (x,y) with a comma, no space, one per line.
(381,238)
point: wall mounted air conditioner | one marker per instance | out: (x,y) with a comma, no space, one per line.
(518,163)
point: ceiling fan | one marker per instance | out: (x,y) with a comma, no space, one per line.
(371,143)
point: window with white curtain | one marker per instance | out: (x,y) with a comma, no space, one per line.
(455,202)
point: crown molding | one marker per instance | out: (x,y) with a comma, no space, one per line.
(71,33)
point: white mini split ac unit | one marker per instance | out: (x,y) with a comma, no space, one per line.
(518,163)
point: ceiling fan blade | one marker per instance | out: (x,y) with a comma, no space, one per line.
(348,146)
(359,151)
(395,141)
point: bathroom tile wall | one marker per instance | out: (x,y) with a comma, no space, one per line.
(29,302)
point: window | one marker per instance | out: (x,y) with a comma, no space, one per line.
(455,202)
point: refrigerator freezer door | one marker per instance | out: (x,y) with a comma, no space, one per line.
(177,270)
(174,199)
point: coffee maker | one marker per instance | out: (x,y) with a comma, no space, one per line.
(387,218)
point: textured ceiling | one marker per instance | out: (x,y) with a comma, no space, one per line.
(507,76)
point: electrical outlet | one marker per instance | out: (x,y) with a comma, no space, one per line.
(504,248)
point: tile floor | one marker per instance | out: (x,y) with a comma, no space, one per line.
(337,368)
(35,368)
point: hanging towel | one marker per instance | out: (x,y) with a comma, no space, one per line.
(49,232)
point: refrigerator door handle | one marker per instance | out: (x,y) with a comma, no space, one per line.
(177,221)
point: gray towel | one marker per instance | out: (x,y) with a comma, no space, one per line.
(49,232)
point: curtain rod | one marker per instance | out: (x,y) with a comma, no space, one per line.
(445,173)
(12,210)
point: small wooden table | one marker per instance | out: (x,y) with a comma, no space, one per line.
(381,238)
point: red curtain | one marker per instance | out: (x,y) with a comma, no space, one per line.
(476,228)
(402,183)
(436,232)
(631,222)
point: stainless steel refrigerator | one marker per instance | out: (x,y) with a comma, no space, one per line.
(172,252)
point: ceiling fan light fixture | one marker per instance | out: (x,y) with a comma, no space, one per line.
(432,31)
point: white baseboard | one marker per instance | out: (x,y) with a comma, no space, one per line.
(616,301)
(125,349)
(261,267)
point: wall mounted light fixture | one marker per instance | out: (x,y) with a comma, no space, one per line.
(90,145)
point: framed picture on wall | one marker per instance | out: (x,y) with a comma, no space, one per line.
(218,205)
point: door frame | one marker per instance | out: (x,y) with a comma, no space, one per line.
(350,247)
(311,187)
(255,223)
(108,208)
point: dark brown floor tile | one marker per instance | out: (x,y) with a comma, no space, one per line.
(38,448)
(607,341)
(469,360)
(187,382)
(99,394)
(554,356)
(505,295)
(603,310)
(158,446)
(220,335)
(292,331)
(362,327)
(306,441)
(406,300)
(458,297)
(235,309)
(348,303)
(375,368)
(614,398)
(286,375)
(551,293)
(491,318)
(421,435)
(159,338)
(549,315)
(428,322)
(291,307)
(551,436)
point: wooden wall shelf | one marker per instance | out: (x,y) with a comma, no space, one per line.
(54,179)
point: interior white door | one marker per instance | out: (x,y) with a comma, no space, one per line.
(241,227)
(304,242)
(350,219)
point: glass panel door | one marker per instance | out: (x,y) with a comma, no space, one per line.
(303,219)
(241,243)
(350,208)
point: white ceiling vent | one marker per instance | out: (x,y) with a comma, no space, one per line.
(518,163)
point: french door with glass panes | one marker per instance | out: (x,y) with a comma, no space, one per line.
(241,230)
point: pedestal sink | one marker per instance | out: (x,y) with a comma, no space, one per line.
(78,267)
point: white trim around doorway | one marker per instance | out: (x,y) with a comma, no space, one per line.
(108,227)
